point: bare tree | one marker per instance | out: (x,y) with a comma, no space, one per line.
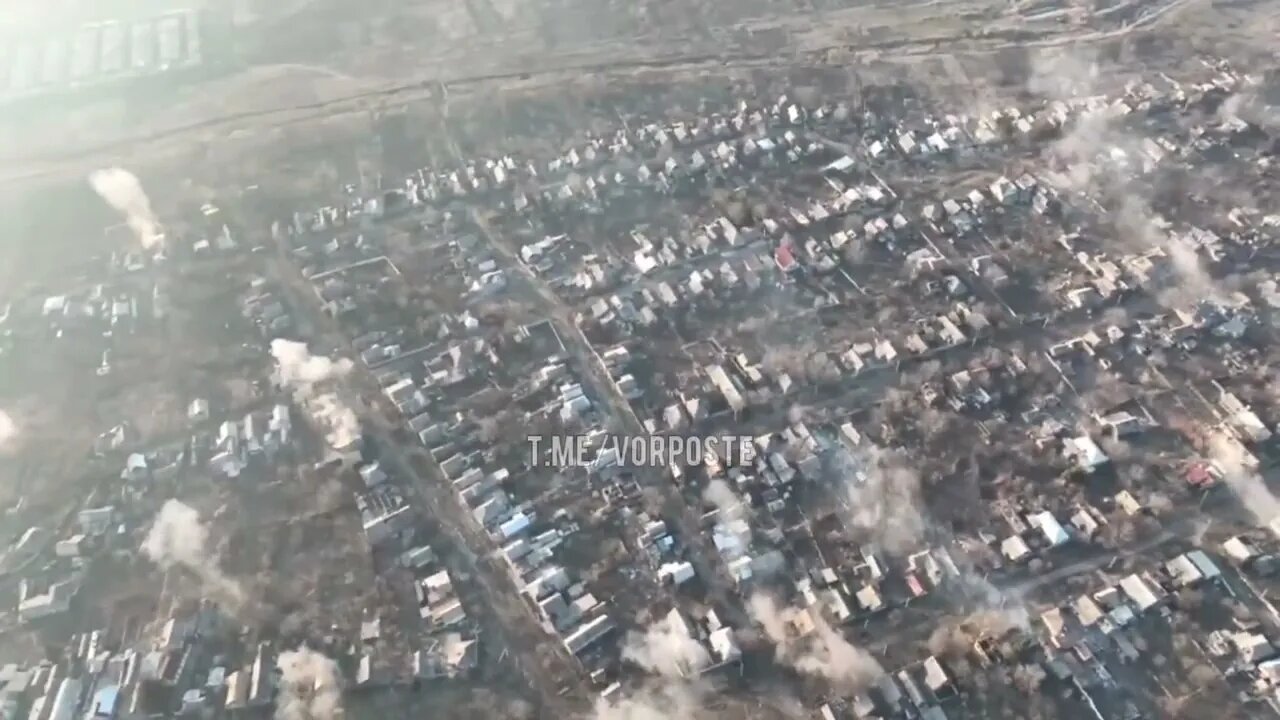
(1203,675)
(1028,677)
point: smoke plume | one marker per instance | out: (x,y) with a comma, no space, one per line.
(1239,473)
(982,610)
(301,370)
(310,377)
(719,494)
(1062,76)
(179,538)
(340,424)
(8,430)
(1247,106)
(669,702)
(956,636)
(1194,281)
(977,592)
(805,642)
(667,649)
(310,686)
(989,612)
(881,496)
(122,191)
(1097,158)
(1142,228)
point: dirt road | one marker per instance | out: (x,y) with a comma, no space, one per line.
(623,419)
(553,675)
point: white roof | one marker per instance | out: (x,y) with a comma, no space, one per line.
(1052,529)
(1086,451)
(727,541)
(1183,570)
(844,162)
(678,572)
(1238,549)
(740,568)
(399,386)
(1014,548)
(372,473)
(726,648)
(437,581)
(1084,522)
(1139,591)
(934,676)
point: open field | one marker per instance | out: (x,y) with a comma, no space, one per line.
(373,62)
(288,107)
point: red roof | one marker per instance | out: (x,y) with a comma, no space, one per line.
(784,258)
(913,583)
(1200,474)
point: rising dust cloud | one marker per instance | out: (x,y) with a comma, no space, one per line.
(179,538)
(881,494)
(666,649)
(1239,475)
(310,686)
(309,377)
(673,701)
(822,653)
(1093,158)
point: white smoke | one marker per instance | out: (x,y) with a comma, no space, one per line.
(310,686)
(1240,474)
(774,621)
(721,495)
(1194,281)
(989,612)
(831,657)
(8,430)
(882,498)
(670,702)
(301,370)
(804,641)
(1008,606)
(340,423)
(666,648)
(1142,228)
(732,509)
(122,191)
(1062,76)
(1097,158)
(1247,106)
(637,707)
(310,377)
(956,635)
(179,538)
(1074,156)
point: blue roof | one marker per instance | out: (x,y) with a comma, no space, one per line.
(104,701)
